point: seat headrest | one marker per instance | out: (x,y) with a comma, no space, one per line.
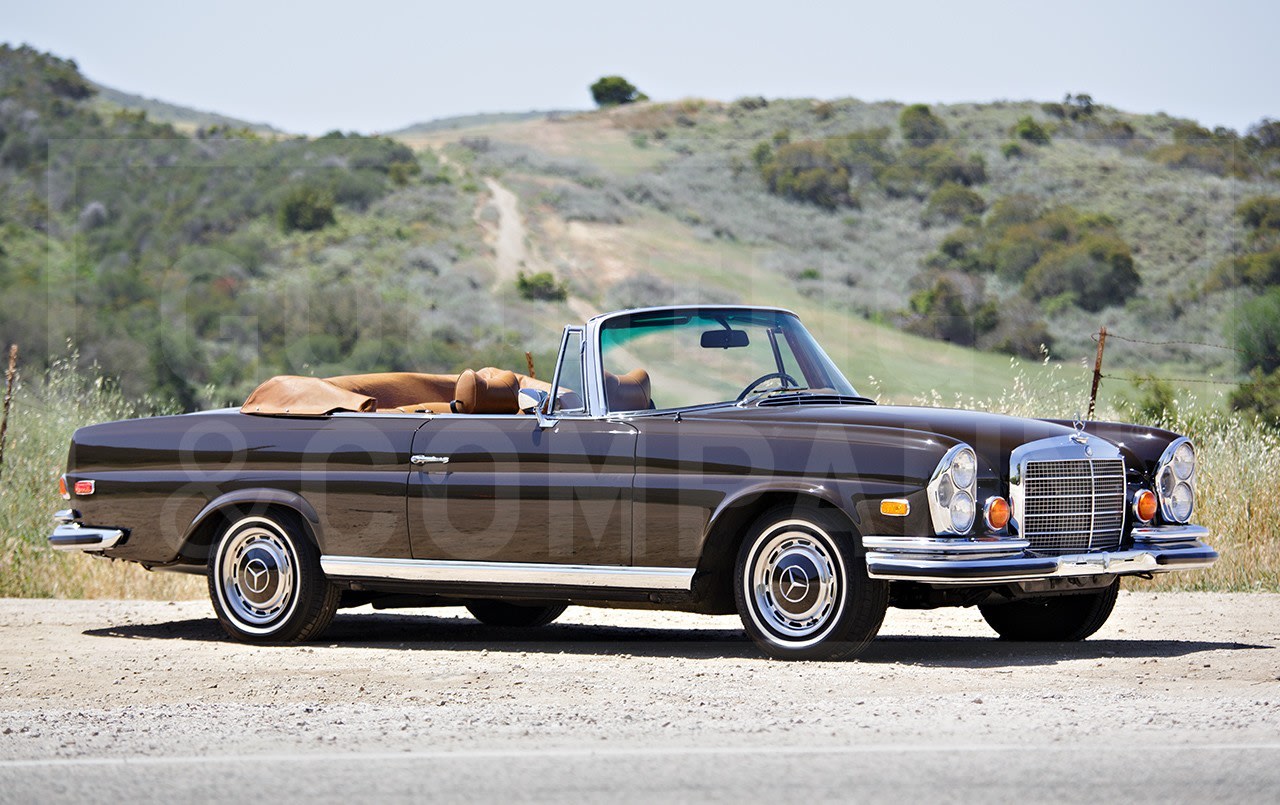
(627,392)
(489,391)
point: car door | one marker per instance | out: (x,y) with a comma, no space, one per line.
(514,491)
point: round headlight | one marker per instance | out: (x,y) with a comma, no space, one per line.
(945,490)
(1184,461)
(963,468)
(962,512)
(1166,482)
(1181,502)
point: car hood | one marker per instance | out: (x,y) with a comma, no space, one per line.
(993,436)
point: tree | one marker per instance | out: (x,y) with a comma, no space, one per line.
(614,90)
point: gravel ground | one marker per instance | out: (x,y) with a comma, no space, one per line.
(1177,698)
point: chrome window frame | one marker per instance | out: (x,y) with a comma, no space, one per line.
(549,407)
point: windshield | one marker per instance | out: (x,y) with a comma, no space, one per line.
(682,358)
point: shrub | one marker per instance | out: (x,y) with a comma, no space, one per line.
(807,171)
(1260,213)
(920,127)
(1257,332)
(951,307)
(614,90)
(541,286)
(306,208)
(1028,129)
(1260,395)
(1094,273)
(952,202)
(1011,150)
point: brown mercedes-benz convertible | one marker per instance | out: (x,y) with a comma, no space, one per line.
(711,459)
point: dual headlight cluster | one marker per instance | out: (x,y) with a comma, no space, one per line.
(953,491)
(1176,481)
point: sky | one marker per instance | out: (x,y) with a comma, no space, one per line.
(311,67)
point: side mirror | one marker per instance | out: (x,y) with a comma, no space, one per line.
(534,401)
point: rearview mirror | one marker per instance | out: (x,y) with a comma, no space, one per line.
(724,339)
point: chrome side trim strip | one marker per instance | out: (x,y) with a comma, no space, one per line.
(439,570)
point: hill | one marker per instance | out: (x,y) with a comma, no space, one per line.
(180,117)
(191,266)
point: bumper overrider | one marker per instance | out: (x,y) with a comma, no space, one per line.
(71,535)
(960,560)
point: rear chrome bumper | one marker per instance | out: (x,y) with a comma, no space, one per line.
(951,560)
(70,535)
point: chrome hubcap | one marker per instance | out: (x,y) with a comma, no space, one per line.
(794,584)
(257,574)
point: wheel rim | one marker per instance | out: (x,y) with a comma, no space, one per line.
(794,584)
(256,575)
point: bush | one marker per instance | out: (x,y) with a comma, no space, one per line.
(1028,129)
(1260,213)
(1260,395)
(952,202)
(1257,332)
(614,90)
(1011,150)
(920,127)
(1094,273)
(807,171)
(306,208)
(541,286)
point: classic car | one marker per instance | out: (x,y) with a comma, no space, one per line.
(710,459)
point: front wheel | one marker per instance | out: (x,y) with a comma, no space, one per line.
(266,583)
(802,590)
(1059,619)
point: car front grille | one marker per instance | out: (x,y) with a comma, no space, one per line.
(1074,505)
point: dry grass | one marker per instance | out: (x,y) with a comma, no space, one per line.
(45,413)
(1239,472)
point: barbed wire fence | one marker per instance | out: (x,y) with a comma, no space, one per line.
(1102,336)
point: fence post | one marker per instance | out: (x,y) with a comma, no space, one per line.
(9,376)
(528,359)
(1097,371)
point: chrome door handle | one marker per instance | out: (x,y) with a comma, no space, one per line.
(419,460)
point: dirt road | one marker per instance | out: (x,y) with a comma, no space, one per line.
(1178,697)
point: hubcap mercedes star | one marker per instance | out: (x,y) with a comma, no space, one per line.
(257,574)
(794,584)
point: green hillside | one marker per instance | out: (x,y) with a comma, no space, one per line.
(192,263)
(180,117)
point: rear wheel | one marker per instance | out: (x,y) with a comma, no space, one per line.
(802,589)
(1061,618)
(266,583)
(505,613)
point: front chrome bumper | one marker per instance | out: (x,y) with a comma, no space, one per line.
(951,560)
(70,535)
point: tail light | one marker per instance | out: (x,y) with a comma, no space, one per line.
(84,487)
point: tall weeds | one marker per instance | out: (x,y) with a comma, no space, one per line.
(46,410)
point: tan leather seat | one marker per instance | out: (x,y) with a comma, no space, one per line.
(488,391)
(627,392)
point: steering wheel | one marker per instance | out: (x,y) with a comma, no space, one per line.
(783,376)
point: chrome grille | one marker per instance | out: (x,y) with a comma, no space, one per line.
(1073,505)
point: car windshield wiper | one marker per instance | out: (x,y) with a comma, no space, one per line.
(770,392)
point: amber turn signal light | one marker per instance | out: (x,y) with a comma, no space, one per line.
(62,487)
(1144,505)
(996,513)
(895,508)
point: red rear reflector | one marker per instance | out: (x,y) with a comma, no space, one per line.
(62,487)
(84,487)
